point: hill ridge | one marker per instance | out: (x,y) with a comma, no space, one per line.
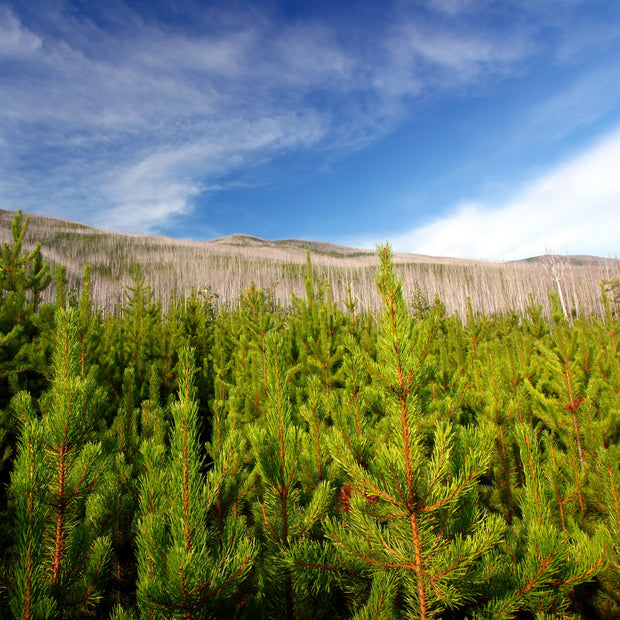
(227,266)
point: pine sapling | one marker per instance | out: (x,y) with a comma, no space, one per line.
(58,521)
(183,570)
(414,526)
(285,516)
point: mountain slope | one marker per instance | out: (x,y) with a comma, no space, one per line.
(229,265)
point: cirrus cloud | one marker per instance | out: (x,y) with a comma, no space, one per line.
(126,127)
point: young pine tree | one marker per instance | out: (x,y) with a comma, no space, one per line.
(546,555)
(318,328)
(58,559)
(23,278)
(413,525)
(287,515)
(187,568)
(499,403)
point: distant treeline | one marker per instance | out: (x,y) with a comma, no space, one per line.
(229,266)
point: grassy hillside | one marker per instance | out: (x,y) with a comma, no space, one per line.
(229,265)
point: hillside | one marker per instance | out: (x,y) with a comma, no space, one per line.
(229,265)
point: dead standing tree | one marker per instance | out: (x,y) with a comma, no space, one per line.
(554,266)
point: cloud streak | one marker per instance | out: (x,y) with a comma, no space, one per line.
(574,208)
(15,41)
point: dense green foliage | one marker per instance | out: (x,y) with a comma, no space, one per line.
(303,462)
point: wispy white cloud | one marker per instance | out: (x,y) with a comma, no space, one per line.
(147,133)
(422,56)
(162,183)
(15,41)
(586,100)
(452,7)
(574,208)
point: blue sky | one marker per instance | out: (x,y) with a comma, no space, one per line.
(482,129)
